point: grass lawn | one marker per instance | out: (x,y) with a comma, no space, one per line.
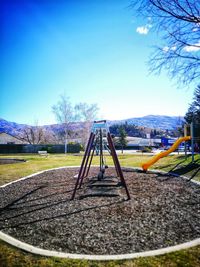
(10,257)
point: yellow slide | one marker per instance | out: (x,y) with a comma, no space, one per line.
(163,154)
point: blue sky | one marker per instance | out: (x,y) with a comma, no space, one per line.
(94,51)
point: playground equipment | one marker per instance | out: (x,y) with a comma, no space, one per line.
(191,132)
(98,140)
(155,158)
(193,129)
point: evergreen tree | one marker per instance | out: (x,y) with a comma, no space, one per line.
(122,141)
(193,113)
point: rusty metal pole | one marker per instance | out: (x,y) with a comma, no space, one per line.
(111,146)
(117,165)
(91,158)
(82,166)
(88,156)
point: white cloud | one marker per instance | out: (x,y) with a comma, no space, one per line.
(143,29)
(173,48)
(167,48)
(192,48)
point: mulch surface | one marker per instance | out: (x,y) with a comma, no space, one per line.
(10,161)
(163,211)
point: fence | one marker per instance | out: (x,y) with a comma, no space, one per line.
(24,148)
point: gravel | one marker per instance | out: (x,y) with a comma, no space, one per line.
(163,211)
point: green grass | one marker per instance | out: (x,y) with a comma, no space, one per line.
(12,257)
(35,163)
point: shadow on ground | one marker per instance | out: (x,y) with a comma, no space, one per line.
(190,169)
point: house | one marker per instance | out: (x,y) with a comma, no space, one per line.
(6,138)
(141,142)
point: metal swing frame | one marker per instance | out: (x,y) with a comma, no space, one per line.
(98,128)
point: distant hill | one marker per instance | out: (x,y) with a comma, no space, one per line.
(150,121)
(14,128)
(10,127)
(154,121)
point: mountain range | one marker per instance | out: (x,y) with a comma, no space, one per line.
(149,121)
(155,121)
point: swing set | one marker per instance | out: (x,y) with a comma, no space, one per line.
(100,141)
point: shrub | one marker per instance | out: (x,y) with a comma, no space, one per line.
(73,147)
(49,149)
(146,149)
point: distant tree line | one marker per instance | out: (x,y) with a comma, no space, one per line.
(130,129)
(67,115)
(135,131)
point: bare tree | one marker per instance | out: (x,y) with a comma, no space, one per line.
(59,136)
(64,113)
(32,134)
(49,137)
(86,113)
(177,23)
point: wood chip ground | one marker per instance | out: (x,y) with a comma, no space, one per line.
(163,211)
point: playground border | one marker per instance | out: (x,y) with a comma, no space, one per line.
(43,252)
